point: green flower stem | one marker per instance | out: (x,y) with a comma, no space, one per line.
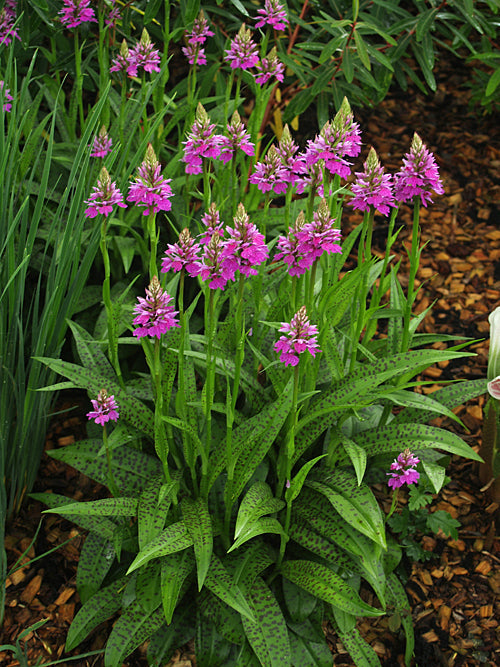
(209,386)
(359,302)
(161,442)
(145,120)
(153,242)
(289,453)
(240,353)
(79,81)
(123,105)
(103,66)
(207,192)
(393,505)
(113,487)
(108,305)
(228,96)
(182,381)
(414,261)
(378,292)
(369,232)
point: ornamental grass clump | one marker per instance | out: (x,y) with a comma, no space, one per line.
(250,385)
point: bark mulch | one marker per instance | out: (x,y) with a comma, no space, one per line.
(455,594)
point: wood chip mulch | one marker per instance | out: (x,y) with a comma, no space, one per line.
(455,595)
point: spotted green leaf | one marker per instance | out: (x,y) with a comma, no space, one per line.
(175,570)
(199,526)
(153,510)
(132,469)
(174,538)
(252,437)
(306,653)
(258,501)
(397,596)
(356,503)
(96,557)
(133,627)
(91,352)
(220,583)
(101,525)
(259,527)
(103,507)
(268,634)
(130,408)
(395,437)
(251,453)
(101,606)
(320,581)
(361,652)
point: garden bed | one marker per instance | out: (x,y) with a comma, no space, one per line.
(454,595)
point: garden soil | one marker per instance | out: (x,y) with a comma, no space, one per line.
(455,596)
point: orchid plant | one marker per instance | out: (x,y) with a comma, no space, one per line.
(243,378)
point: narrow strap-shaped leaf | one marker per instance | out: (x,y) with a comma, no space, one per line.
(132,469)
(244,436)
(130,408)
(359,507)
(96,558)
(174,538)
(361,652)
(147,586)
(259,527)
(397,595)
(251,455)
(152,511)
(104,527)
(268,634)
(103,507)
(101,606)
(199,526)
(91,352)
(132,628)
(395,437)
(258,501)
(307,653)
(220,583)
(450,396)
(328,586)
(226,619)
(369,568)
(175,569)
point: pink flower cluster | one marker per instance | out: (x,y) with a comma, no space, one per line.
(373,188)
(149,190)
(105,408)
(337,139)
(204,142)
(104,196)
(7,106)
(419,175)
(403,470)
(154,314)
(194,51)
(7,21)
(215,258)
(306,242)
(114,15)
(300,335)
(102,143)
(272,14)
(76,12)
(141,56)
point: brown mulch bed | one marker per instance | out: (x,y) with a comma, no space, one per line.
(454,596)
